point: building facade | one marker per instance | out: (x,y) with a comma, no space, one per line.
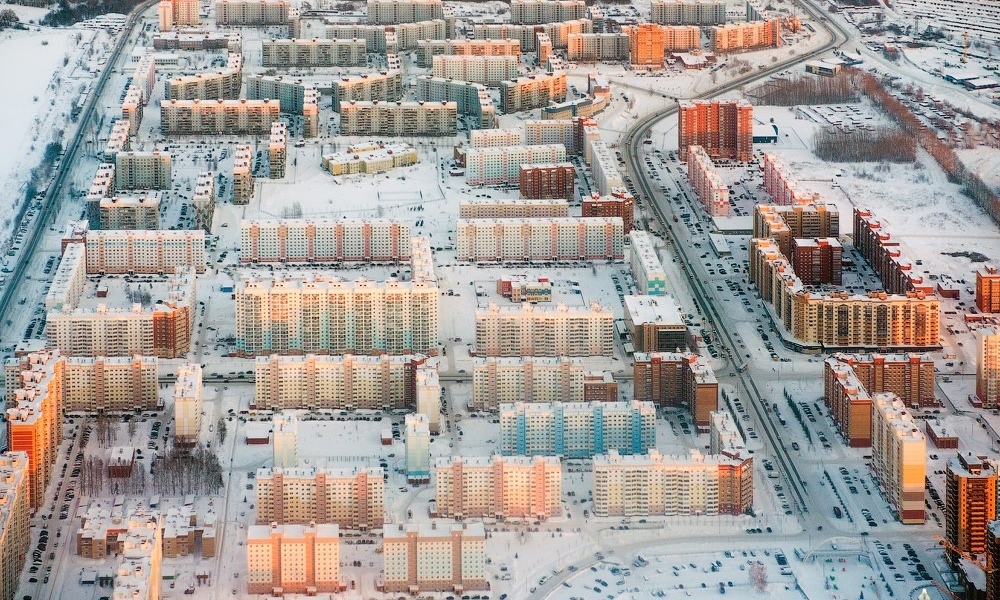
(711,190)
(431,557)
(619,203)
(142,170)
(15,535)
(528,330)
(485,69)
(576,429)
(501,165)
(724,128)
(34,420)
(532,91)
(220,84)
(899,457)
(218,117)
(497,381)
(399,118)
(545,240)
(351,498)
(294,559)
(555,180)
(498,487)
(418,448)
(674,379)
(988,367)
(252,12)
(478,208)
(130,212)
(324,240)
(685,12)
(124,251)
(754,35)
(988,289)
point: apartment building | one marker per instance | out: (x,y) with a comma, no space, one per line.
(324,240)
(539,240)
(554,131)
(350,52)
(495,138)
(711,190)
(384,86)
(471,99)
(293,559)
(595,47)
(34,420)
(203,201)
(909,376)
(502,165)
(132,108)
(243,174)
(393,12)
(647,270)
(291,94)
(338,382)
(498,487)
(551,180)
(781,186)
(130,212)
(399,118)
(737,37)
(786,223)
(351,498)
(686,12)
(576,429)
(103,186)
(187,404)
(724,128)
(218,117)
(532,91)
(178,13)
(370,158)
(150,251)
(899,457)
(428,49)
(481,208)
(988,367)
(528,35)
(277,147)
(970,503)
(655,323)
(417,437)
(849,403)
(142,170)
(818,260)
(497,381)
(70,278)
(118,140)
(619,203)
(220,84)
(137,574)
(653,484)
(529,330)
(322,314)
(428,557)
(979,18)
(252,12)
(604,168)
(198,39)
(988,289)
(897,273)
(15,535)
(486,69)
(393,39)
(647,45)
(675,379)
(724,436)
(537,12)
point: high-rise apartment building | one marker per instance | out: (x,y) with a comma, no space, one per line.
(498,487)
(429,396)
(384,86)
(198,39)
(501,165)
(142,170)
(349,52)
(286,440)
(338,382)
(34,420)
(647,45)
(753,35)
(132,108)
(686,12)
(485,69)
(243,174)
(351,498)
(993,560)
(553,180)
(15,535)
(293,559)
(218,117)
(417,438)
(594,47)
(434,557)
(428,49)
(103,186)
(724,128)
(130,212)
(546,240)
(849,403)
(970,502)
(497,381)
(647,270)
(785,223)
(399,118)
(214,85)
(899,457)
(252,12)
(532,91)
(711,190)
(988,367)
(324,240)
(780,185)
(530,330)
(655,324)
(291,94)
(187,404)
(178,13)
(203,201)
(394,12)
(528,35)
(536,12)
(576,429)
(817,260)
(119,140)
(677,379)
(125,251)
(471,99)
(277,150)
(897,273)
(988,289)
(909,376)
(653,484)
(619,203)
(500,208)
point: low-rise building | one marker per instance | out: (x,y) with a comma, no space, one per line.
(370,158)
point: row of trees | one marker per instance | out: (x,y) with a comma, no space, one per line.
(805,90)
(94,481)
(66,13)
(862,145)
(196,472)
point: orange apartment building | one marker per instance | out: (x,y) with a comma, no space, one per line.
(909,376)
(293,559)
(988,289)
(724,128)
(818,260)
(352,498)
(677,379)
(970,502)
(754,35)
(545,181)
(647,45)
(619,203)
(848,402)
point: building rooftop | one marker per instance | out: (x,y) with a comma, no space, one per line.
(659,310)
(399,531)
(326,531)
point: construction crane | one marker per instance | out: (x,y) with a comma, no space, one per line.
(980,564)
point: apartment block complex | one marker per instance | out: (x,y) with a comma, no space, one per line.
(536,12)
(619,203)
(130,212)
(988,289)
(576,429)
(370,158)
(532,91)
(385,86)
(754,35)
(685,12)
(653,484)
(497,381)
(645,265)
(428,49)
(528,35)
(142,171)
(349,52)
(786,223)
(432,557)
(15,535)
(779,184)
(594,47)
(34,420)
(533,240)
(351,498)
(399,118)
(471,99)
(970,502)
(292,94)
(187,404)
(293,559)
(899,457)
(220,84)
(988,368)
(528,330)
(486,69)
(502,165)
(552,180)
(896,272)
(252,12)
(150,251)
(177,13)
(393,12)
(324,240)
(909,376)
(724,128)
(674,379)
(243,174)
(498,487)
(712,191)
(325,315)
(218,117)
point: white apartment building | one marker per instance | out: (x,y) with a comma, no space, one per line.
(724,435)
(393,12)
(277,149)
(214,85)
(980,18)
(552,131)
(577,429)
(489,208)
(532,91)
(124,251)
(712,191)
(384,86)
(243,174)
(349,52)
(498,487)
(899,456)
(137,574)
(103,186)
(647,270)
(528,35)
(488,70)
(536,12)
(495,138)
(428,49)
(432,557)
(290,93)
(399,118)
(417,436)
(497,381)
(324,240)
(502,165)
(70,278)
(252,12)
(187,404)
(594,47)
(686,12)
(218,117)
(130,212)
(429,395)
(604,166)
(118,140)
(392,39)
(321,314)
(530,330)
(293,559)
(471,99)
(540,240)
(339,382)
(352,498)
(142,170)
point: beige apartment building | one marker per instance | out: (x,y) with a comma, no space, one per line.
(324,240)
(488,70)
(70,278)
(142,170)
(594,47)
(537,12)
(431,557)
(350,52)
(15,535)
(151,251)
(393,12)
(532,91)
(243,174)
(471,99)
(384,86)
(293,559)
(392,39)
(220,84)
(786,223)
(711,190)
(399,118)
(530,330)
(132,108)
(252,12)
(338,382)
(529,35)
(187,404)
(899,457)
(102,186)
(686,12)
(130,212)
(849,403)
(277,150)
(218,117)
(497,381)
(499,487)
(501,165)
(909,376)
(428,49)
(495,138)
(290,93)
(479,208)
(178,13)
(754,35)
(34,418)
(351,498)
(540,239)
